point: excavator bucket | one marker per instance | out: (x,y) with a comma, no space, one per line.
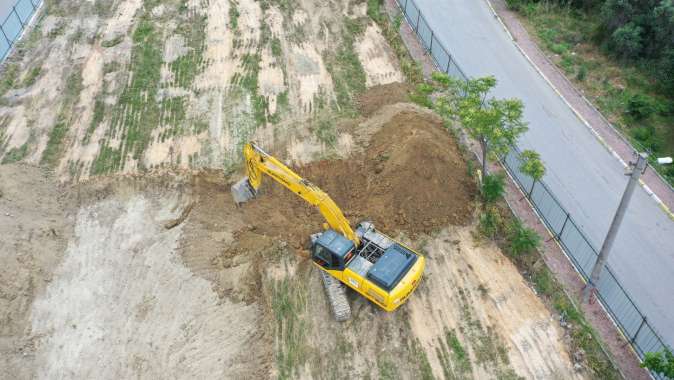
(242,191)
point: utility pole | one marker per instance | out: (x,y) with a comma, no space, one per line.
(638,169)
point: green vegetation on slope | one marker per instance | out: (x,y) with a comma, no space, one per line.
(622,55)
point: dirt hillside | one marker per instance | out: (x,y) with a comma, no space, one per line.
(161,275)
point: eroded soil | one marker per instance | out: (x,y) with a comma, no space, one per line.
(161,275)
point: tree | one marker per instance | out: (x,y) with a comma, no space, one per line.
(661,362)
(522,239)
(532,165)
(495,123)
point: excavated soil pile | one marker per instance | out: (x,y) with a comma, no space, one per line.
(378,96)
(411,178)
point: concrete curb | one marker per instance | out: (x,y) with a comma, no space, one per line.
(601,140)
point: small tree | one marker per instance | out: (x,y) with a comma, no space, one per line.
(661,362)
(532,165)
(522,239)
(495,123)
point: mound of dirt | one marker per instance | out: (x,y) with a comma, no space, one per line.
(378,96)
(411,178)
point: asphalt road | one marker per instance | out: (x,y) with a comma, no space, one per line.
(5,8)
(584,176)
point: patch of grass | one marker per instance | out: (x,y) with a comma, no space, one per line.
(289,301)
(424,366)
(54,145)
(96,119)
(111,67)
(16,154)
(387,369)
(348,74)
(113,42)
(173,114)
(453,357)
(32,76)
(326,132)
(52,152)
(187,67)
(374,10)
(108,160)
(276,49)
(233,15)
(461,359)
(137,111)
(103,8)
(249,82)
(10,77)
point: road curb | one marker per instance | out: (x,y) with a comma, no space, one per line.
(601,140)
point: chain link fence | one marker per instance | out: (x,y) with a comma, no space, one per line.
(16,21)
(624,312)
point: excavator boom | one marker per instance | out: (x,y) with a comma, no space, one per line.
(259,162)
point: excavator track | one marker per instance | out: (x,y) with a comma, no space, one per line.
(336,292)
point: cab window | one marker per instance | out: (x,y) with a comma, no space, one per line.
(322,256)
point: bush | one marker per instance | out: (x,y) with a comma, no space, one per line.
(522,239)
(627,41)
(660,362)
(582,73)
(640,106)
(642,134)
(493,186)
(490,223)
(422,95)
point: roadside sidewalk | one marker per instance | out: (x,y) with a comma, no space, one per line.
(609,137)
(620,351)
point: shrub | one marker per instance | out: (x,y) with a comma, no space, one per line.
(627,41)
(522,239)
(582,73)
(642,134)
(640,106)
(660,362)
(493,186)
(490,223)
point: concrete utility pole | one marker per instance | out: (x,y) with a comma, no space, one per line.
(637,170)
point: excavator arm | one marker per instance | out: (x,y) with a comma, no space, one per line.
(258,162)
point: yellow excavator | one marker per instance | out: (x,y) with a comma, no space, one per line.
(381,269)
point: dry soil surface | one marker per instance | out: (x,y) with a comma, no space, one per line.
(163,276)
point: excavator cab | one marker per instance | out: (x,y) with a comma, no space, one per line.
(332,250)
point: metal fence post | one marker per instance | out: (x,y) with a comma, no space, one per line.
(449,60)
(430,49)
(405,8)
(6,38)
(568,216)
(18,17)
(416,28)
(533,184)
(634,338)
